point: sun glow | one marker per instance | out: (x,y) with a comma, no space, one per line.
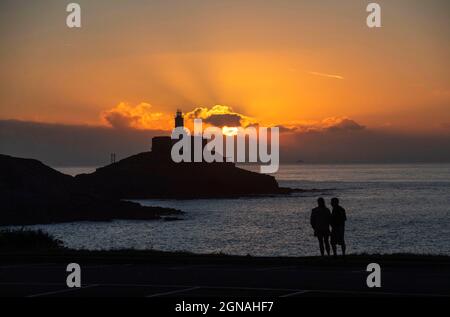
(230,131)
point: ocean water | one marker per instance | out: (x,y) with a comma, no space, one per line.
(390,209)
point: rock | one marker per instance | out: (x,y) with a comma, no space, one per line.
(151,175)
(31,193)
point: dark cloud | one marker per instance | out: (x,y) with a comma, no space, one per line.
(284,129)
(66,145)
(346,125)
(221,120)
(366,146)
(332,124)
(71,145)
(220,116)
(196,113)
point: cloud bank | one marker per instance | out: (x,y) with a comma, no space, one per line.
(331,124)
(140,116)
(340,142)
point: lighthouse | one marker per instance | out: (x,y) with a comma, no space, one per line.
(179,121)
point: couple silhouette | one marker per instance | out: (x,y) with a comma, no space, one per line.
(321,221)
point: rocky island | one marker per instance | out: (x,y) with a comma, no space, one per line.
(154,175)
(33,193)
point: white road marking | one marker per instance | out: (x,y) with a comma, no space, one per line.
(174,292)
(295,293)
(61,291)
(37,266)
(277,268)
(190,287)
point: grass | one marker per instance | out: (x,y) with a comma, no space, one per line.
(36,246)
(19,240)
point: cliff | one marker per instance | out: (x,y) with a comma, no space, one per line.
(31,193)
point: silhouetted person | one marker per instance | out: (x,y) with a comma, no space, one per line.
(320,221)
(338,218)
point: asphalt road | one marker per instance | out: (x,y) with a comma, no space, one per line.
(220,280)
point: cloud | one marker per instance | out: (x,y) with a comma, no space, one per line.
(68,145)
(143,117)
(72,145)
(140,116)
(220,116)
(285,129)
(342,124)
(367,146)
(331,124)
(220,120)
(327,75)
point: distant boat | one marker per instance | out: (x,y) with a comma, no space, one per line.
(300,162)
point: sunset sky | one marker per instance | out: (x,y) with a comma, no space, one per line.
(297,64)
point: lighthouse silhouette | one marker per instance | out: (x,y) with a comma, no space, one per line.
(179,120)
(162,145)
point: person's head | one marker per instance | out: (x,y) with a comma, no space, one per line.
(334,202)
(321,202)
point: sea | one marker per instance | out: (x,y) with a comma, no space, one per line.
(390,209)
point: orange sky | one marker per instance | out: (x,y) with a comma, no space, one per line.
(279,63)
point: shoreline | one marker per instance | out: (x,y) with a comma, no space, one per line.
(155,256)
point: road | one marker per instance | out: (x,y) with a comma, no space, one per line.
(220,280)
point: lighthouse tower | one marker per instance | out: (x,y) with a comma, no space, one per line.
(179,121)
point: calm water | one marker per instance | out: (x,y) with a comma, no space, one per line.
(390,208)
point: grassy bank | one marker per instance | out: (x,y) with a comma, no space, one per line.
(37,246)
(28,240)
